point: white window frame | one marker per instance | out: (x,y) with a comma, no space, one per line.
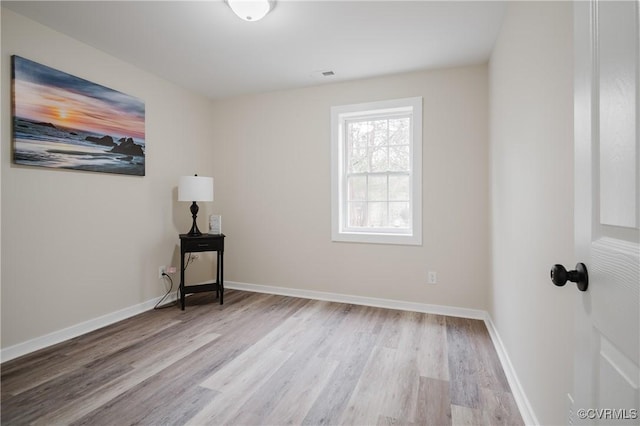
(339,116)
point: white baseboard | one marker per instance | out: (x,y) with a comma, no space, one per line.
(359,300)
(528,415)
(524,405)
(519,395)
(50,339)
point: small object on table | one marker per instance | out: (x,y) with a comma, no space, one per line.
(215,224)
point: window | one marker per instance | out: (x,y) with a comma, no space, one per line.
(376,177)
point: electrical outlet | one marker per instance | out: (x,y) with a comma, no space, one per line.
(432,277)
(166,270)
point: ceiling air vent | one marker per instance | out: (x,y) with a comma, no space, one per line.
(323,74)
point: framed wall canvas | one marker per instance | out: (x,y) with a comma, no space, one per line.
(63,121)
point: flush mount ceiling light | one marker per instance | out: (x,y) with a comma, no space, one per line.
(251,10)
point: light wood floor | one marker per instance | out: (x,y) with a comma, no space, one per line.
(265,360)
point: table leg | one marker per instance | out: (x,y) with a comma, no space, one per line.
(221,280)
(182,281)
(218,274)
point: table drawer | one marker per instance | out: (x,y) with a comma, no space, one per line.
(203,244)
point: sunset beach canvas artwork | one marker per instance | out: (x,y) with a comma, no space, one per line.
(63,121)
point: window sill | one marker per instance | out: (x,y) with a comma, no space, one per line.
(374,238)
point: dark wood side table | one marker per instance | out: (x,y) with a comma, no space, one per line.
(204,242)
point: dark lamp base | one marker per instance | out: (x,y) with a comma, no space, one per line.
(194,232)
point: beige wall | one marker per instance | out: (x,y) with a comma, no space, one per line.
(531,96)
(78,245)
(273,184)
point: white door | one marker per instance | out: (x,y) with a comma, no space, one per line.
(607,211)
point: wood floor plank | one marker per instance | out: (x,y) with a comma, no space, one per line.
(489,372)
(462,364)
(434,403)
(433,361)
(388,421)
(247,369)
(465,416)
(370,392)
(177,411)
(303,388)
(350,321)
(232,386)
(402,390)
(392,329)
(331,403)
(499,408)
(403,386)
(265,359)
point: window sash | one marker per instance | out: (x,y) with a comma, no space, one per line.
(346,202)
(366,200)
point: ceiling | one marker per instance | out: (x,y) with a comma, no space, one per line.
(204,47)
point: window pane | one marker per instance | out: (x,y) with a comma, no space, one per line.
(377,188)
(379,133)
(399,131)
(358,161)
(357,188)
(356,215)
(399,215)
(399,188)
(377,215)
(399,158)
(358,134)
(379,159)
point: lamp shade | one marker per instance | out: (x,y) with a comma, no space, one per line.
(195,188)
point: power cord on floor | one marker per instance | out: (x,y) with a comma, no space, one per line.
(164,274)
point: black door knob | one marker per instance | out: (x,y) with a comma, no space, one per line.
(560,276)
